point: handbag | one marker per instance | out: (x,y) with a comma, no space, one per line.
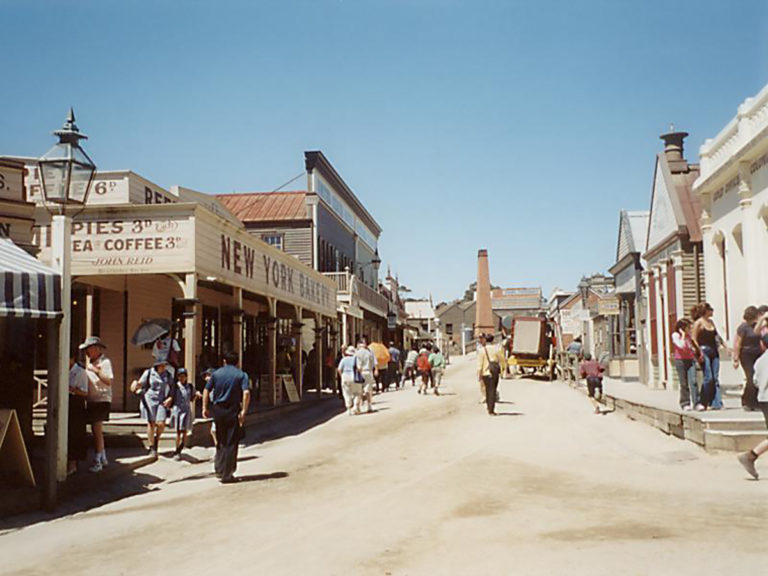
(359,378)
(493,367)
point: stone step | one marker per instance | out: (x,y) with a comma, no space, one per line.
(733,440)
(748,421)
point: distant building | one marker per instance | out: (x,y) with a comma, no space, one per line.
(627,343)
(328,228)
(456,316)
(517,301)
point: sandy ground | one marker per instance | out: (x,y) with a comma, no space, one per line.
(432,485)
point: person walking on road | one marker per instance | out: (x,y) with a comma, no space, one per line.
(437,361)
(685,353)
(592,370)
(180,400)
(490,363)
(98,368)
(705,336)
(410,367)
(154,386)
(746,351)
(425,370)
(350,389)
(393,369)
(760,381)
(366,365)
(231,397)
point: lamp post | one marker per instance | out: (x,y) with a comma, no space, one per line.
(584,289)
(66,174)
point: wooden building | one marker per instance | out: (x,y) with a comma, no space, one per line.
(627,338)
(155,253)
(674,274)
(328,228)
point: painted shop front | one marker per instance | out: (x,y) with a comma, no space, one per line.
(226,290)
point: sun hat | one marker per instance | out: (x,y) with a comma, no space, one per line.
(92,341)
(181,371)
(350,350)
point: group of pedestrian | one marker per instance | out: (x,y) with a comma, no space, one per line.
(430,364)
(366,369)
(165,393)
(697,344)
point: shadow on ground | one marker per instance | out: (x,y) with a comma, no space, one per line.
(295,424)
(88,498)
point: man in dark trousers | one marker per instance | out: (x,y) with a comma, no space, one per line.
(231,396)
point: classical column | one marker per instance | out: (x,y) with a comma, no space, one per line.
(752,264)
(664,330)
(712,268)
(678,267)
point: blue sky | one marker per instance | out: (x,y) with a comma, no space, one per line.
(520,127)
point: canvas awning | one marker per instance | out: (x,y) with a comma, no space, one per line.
(28,288)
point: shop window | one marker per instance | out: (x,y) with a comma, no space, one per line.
(275,240)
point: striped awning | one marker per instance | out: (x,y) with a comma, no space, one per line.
(28,288)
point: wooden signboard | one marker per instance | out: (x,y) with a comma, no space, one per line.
(14,460)
(290,388)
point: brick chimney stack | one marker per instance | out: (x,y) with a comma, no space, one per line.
(483,311)
(673,150)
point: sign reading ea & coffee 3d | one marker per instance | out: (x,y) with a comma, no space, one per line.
(132,245)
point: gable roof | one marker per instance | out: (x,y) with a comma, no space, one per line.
(633,227)
(672,191)
(266,206)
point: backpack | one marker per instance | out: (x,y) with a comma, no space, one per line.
(422,363)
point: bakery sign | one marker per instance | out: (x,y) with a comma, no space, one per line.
(132,245)
(255,265)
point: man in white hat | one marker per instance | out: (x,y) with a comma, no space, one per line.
(98,368)
(349,388)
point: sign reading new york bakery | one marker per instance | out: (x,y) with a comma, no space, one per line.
(185,238)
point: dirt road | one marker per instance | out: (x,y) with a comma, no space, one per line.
(432,485)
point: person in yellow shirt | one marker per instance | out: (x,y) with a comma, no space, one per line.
(490,364)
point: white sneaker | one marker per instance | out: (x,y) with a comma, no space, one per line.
(104,461)
(97,467)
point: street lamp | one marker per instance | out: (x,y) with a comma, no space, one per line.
(66,174)
(66,170)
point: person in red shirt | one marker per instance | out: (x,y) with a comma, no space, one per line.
(592,370)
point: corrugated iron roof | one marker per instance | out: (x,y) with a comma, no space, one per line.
(266,206)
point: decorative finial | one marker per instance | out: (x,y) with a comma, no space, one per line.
(69,133)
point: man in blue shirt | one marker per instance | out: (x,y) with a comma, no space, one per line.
(394,366)
(231,395)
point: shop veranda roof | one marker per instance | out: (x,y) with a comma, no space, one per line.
(28,288)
